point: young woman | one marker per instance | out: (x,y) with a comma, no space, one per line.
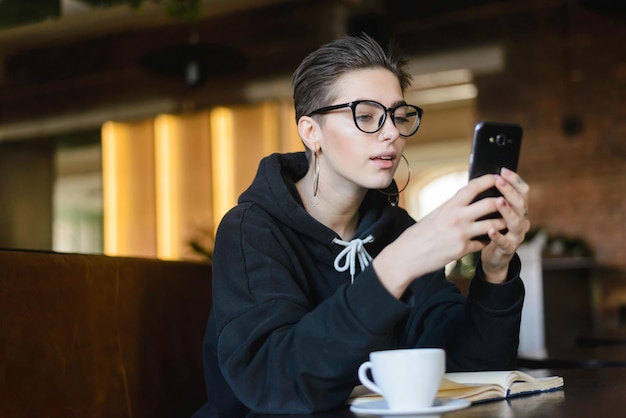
(317,266)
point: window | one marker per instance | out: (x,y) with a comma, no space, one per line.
(438,191)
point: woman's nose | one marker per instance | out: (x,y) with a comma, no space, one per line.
(389,131)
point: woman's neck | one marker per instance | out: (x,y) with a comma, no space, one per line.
(338,211)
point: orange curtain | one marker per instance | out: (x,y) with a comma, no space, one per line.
(169,180)
(129,189)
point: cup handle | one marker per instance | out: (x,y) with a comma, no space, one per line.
(364,378)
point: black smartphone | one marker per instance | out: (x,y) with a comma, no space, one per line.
(495,145)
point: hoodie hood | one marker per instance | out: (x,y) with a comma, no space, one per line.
(274,190)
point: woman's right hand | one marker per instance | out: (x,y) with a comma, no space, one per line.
(443,236)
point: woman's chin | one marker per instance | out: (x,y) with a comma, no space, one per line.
(380,185)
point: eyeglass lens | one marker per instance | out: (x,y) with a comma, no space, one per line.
(370,117)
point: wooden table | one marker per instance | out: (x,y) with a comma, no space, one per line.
(575,357)
(588,392)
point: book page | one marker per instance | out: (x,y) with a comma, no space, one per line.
(500,378)
(482,386)
(510,383)
(537,384)
(470,391)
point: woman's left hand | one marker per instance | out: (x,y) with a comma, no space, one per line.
(513,206)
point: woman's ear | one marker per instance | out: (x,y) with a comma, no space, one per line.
(309,132)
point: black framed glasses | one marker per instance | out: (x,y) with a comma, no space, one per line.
(369,116)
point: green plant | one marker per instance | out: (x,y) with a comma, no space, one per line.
(183,9)
(202,244)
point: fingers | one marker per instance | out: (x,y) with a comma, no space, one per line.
(515,180)
(475,186)
(478,212)
(516,228)
(513,207)
(506,231)
(515,190)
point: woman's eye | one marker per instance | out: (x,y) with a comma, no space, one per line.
(364,117)
(400,120)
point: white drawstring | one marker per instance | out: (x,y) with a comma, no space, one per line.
(353,249)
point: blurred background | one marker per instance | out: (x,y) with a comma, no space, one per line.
(130,127)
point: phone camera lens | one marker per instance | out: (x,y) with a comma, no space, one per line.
(500,139)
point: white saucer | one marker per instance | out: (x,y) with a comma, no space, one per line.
(379,407)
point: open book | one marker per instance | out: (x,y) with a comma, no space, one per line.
(482,386)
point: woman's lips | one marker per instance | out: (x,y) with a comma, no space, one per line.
(383,161)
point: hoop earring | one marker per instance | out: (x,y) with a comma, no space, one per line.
(393,198)
(316,179)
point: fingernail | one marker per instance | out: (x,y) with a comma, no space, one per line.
(505,170)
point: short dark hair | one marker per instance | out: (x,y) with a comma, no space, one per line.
(314,78)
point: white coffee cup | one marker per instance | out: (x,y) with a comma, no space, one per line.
(408,379)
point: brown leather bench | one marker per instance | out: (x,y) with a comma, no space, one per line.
(98,336)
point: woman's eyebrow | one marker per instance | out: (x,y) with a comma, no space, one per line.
(398,103)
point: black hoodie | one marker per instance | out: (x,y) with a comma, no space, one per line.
(288,330)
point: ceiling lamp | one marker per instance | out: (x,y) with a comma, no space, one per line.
(194,62)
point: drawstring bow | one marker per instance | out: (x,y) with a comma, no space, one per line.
(349,254)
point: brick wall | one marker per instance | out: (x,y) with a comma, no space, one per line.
(578,182)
